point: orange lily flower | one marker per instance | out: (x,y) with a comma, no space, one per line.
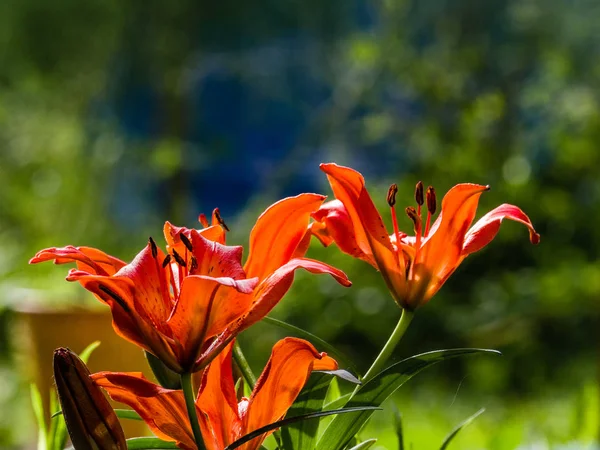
(413,267)
(186,306)
(222,418)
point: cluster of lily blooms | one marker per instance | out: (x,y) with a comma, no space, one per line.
(186,305)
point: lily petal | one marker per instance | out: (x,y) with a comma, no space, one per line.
(88,259)
(202,308)
(441,252)
(162,409)
(486,228)
(291,363)
(348,185)
(333,224)
(216,260)
(278,232)
(271,290)
(219,421)
(118,293)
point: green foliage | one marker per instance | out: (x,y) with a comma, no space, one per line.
(378,389)
(303,435)
(459,427)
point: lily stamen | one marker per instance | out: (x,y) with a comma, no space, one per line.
(153,247)
(419,196)
(217,215)
(412,213)
(186,241)
(160,270)
(203,220)
(391,200)
(182,266)
(431,207)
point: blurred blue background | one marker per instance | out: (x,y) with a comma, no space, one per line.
(117,116)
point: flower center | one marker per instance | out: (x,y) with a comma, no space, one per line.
(415,214)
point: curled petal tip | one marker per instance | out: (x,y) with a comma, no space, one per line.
(534,237)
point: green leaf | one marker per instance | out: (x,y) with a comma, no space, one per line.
(343,374)
(165,376)
(302,435)
(58,428)
(38,409)
(459,427)
(141,443)
(320,343)
(364,445)
(87,352)
(127,414)
(121,414)
(374,392)
(398,427)
(338,402)
(280,423)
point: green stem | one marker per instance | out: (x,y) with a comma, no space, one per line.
(188,394)
(242,363)
(390,345)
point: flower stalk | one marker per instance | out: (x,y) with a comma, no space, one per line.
(242,363)
(390,345)
(190,404)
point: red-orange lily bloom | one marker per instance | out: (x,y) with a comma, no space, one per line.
(413,267)
(222,418)
(184,307)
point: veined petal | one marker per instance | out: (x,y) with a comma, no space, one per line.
(152,299)
(291,363)
(486,228)
(201,304)
(214,233)
(216,260)
(172,234)
(118,293)
(88,259)
(333,224)
(278,232)
(271,290)
(441,252)
(162,409)
(219,421)
(371,237)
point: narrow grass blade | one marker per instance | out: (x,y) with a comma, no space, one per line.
(459,427)
(374,392)
(364,445)
(87,352)
(142,443)
(241,441)
(38,409)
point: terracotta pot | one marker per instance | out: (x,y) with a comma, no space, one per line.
(41,331)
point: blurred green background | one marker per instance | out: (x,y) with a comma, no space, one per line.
(116,116)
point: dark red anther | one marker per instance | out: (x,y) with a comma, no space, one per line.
(391,195)
(431,201)
(178,259)
(153,247)
(166,261)
(185,241)
(193,264)
(419,193)
(413,215)
(217,215)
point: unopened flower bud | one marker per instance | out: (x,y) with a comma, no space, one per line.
(91,421)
